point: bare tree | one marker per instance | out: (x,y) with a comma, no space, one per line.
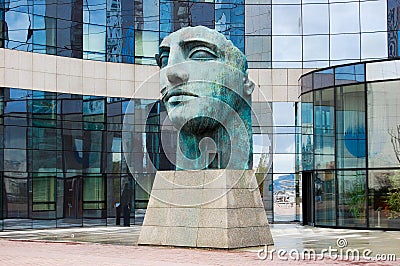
(395,138)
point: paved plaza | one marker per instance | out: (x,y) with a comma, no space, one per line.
(118,246)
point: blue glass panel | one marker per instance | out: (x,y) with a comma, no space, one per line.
(128,45)
(128,33)
(94,38)
(202,14)
(146,15)
(19,94)
(165,18)
(94,12)
(229,20)
(349,74)
(43,95)
(15,107)
(39,8)
(393,9)
(39,34)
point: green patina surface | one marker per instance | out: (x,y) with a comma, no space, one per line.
(207,94)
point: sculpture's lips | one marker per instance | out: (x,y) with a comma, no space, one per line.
(178,96)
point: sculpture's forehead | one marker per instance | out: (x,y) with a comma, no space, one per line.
(195,34)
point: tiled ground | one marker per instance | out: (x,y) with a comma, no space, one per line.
(117,246)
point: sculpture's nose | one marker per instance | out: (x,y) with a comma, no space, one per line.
(177,75)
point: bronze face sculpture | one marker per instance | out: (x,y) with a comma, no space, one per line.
(207,94)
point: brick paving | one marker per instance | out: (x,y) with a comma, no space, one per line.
(44,253)
(117,246)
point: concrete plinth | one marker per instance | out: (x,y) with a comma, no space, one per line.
(207,208)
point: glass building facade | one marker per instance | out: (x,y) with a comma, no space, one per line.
(350,144)
(61,157)
(62,160)
(272,33)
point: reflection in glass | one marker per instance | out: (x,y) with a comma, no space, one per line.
(384,198)
(70,32)
(258,20)
(114,32)
(323,78)
(44,161)
(284,143)
(283,163)
(258,51)
(350,127)
(284,191)
(324,191)
(286,20)
(374,45)
(349,74)
(289,52)
(202,14)
(14,137)
(229,20)
(94,40)
(383,120)
(345,47)
(43,193)
(283,113)
(94,12)
(15,160)
(93,193)
(352,198)
(373,15)
(315,48)
(17,27)
(324,138)
(315,19)
(344,17)
(307,143)
(146,46)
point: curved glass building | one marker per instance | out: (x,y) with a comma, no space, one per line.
(351,144)
(71,69)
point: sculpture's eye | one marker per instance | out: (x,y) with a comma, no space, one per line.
(162,59)
(202,53)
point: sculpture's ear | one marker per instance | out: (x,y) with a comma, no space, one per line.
(248,85)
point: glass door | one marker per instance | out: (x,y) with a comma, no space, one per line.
(308,198)
(72,202)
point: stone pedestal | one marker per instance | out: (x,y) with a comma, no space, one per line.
(207,209)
